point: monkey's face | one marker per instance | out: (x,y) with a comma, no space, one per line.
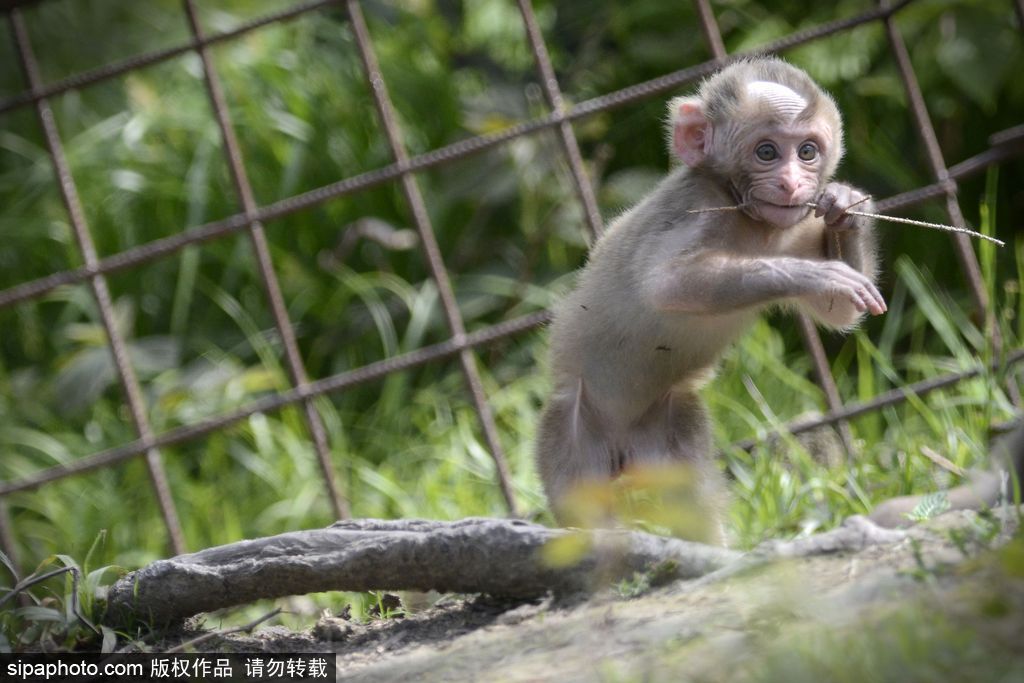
(773,146)
(780,169)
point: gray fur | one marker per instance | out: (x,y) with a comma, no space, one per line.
(664,292)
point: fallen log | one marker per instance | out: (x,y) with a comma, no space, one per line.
(500,557)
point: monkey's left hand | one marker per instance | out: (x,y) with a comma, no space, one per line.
(833,202)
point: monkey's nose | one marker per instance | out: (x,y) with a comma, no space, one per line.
(790,192)
(789,182)
(789,187)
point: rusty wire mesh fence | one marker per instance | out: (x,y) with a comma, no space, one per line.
(460,345)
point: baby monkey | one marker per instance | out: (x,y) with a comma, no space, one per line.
(666,290)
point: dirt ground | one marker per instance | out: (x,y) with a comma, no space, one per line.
(947,598)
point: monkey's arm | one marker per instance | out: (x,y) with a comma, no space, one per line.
(710,282)
(848,238)
(855,246)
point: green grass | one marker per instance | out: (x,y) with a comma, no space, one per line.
(58,606)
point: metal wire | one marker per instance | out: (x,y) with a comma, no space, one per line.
(888,398)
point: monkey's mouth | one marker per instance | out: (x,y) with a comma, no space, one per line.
(794,205)
(779,215)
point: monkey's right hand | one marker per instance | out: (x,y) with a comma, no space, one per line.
(837,280)
(833,202)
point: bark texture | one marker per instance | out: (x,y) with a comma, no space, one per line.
(495,556)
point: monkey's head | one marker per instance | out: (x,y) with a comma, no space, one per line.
(767,131)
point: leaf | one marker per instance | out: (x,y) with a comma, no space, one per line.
(97,544)
(10,565)
(932,505)
(82,380)
(109,640)
(67,561)
(979,56)
(38,613)
(152,355)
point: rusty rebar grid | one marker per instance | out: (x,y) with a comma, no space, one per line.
(888,398)
(108,71)
(429,354)
(431,250)
(271,284)
(407,361)
(570,145)
(98,283)
(709,27)
(449,153)
(964,249)
(926,131)
(461,343)
(451,347)
(823,374)
(1002,150)
(638,91)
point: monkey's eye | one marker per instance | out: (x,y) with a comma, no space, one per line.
(808,151)
(766,152)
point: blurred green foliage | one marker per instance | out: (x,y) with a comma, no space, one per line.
(147,158)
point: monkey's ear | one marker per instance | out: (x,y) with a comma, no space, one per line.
(689,129)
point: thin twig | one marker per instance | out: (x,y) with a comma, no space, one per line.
(920,224)
(891,219)
(225,632)
(942,461)
(859,201)
(717,208)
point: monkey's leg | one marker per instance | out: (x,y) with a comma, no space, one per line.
(572,448)
(676,432)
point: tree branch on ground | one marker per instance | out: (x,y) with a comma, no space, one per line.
(500,557)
